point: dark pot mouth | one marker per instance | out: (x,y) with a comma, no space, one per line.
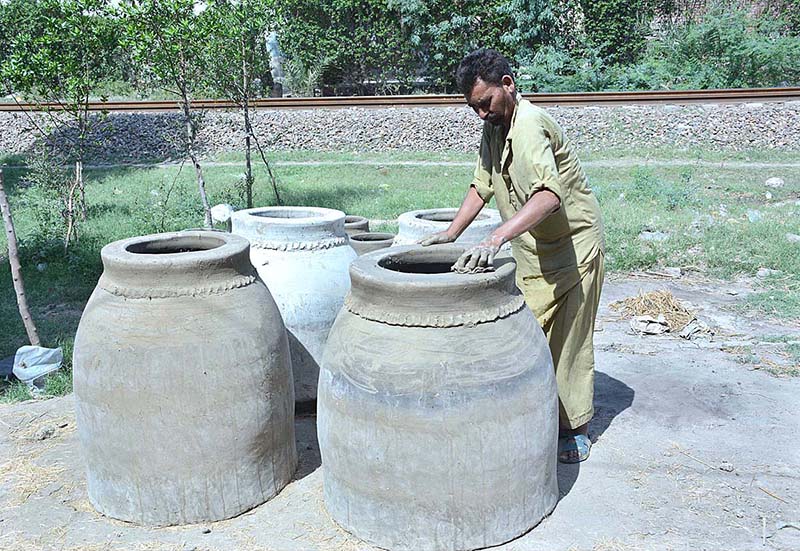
(407,264)
(372,237)
(178,244)
(412,263)
(353,219)
(445,216)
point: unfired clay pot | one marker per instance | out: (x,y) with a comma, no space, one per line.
(437,410)
(355,224)
(303,255)
(364,243)
(418,224)
(182,380)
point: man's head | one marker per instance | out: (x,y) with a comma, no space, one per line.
(485,79)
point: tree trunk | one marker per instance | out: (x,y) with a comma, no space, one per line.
(201,183)
(248,173)
(79,183)
(16,272)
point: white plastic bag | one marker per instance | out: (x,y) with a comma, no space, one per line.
(34,362)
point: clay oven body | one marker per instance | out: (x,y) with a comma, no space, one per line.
(417,224)
(183,384)
(303,255)
(437,410)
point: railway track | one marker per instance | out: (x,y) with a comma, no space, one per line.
(754,95)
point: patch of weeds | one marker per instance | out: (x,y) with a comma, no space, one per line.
(776,303)
(58,383)
(671,195)
(15,391)
(746,356)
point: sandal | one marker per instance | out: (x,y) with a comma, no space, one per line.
(576,443)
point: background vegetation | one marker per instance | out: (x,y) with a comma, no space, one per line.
(404,46)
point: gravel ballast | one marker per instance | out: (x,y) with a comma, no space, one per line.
(138,137)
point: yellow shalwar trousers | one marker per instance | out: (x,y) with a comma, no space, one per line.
(566,306)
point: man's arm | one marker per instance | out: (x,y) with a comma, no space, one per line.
(470,207)
(541,205)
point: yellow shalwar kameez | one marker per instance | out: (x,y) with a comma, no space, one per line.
(560,261)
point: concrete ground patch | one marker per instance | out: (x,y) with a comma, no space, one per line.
(695,448)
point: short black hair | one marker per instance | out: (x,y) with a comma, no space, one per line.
(485,63)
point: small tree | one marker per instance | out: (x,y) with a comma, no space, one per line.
(16,271)
(236,31)
(55,54)
(166,40)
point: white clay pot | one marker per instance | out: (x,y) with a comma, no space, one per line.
(417,224)
(303,255)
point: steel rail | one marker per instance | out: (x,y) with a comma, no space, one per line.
(749,95)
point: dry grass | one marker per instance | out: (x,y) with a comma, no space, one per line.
(26,477)
(654,304)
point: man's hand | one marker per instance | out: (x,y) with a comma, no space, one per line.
(437,239)
(479,258)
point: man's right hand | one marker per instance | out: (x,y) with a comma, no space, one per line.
(437,239)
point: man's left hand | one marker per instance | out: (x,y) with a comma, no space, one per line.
(479,258)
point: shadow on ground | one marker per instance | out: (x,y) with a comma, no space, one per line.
(611,397)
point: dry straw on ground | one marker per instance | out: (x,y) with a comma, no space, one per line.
(654,304)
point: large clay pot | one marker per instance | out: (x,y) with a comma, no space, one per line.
(355,224)
(302,254)
(364,243)
(183,384)
(437,409)
(417,224)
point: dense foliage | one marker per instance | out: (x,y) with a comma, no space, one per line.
(403,46)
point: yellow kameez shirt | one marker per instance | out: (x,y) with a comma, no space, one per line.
(535,155)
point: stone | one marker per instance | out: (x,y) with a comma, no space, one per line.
(774,182)
(303,256)
(417,224)
(653,236)
(182,380)
(431,384)
(792,238)
(754,216)
(364,243)
(764,273)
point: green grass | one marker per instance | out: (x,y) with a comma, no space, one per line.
(703,210)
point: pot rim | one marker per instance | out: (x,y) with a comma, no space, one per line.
(315,215)
(442,299)
(219,261)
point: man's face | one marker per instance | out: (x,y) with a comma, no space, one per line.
(494,104)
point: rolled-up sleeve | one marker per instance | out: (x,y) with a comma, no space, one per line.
(482,180)
(535,165)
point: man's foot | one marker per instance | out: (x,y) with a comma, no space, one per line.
(574,448)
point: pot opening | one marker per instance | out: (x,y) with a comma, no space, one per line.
(415,263)
(446,216)
(175,245)
(351,219)
(277,213)
(371,237)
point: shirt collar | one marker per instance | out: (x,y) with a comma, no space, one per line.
(517,99)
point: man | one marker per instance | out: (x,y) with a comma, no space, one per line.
(552,219)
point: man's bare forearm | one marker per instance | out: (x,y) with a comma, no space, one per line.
(538,207)
(470,207)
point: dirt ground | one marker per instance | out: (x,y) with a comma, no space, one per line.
(695,448)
